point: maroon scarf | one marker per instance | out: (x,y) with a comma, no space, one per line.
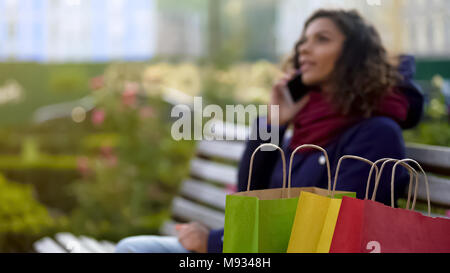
(317,123)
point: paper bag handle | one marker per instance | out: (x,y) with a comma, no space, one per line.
(378,177)
(415,195)
(283,158)
(411,170)
(357,158)
(410,188)
(326,160)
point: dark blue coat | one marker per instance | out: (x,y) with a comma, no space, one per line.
(373,139)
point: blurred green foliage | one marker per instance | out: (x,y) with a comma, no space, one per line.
(68,80)
(110,175)
(14,162)
(133,167)
(423,206)
(21,217)
(435,126)
(44,84)
(19,211)
(431,133)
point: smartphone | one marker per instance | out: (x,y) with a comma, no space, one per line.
(296,88)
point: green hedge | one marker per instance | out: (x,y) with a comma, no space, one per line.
(22,218)
(55,162)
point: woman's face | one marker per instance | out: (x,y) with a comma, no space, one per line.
(319,49)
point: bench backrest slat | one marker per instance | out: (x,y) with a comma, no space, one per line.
(190,211)
(93,245)
(204,193)
(47,245)
(72,243)
(434,158)
(212,171)
(222,149)
(439,190)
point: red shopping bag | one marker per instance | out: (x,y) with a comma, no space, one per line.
(365,226)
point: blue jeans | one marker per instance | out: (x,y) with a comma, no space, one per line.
(150,244)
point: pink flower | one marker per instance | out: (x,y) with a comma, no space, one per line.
(96,83)
(83,165)
(112,161)
(107,153)
(129,95)
(98,117)
(129,98)
(132,86)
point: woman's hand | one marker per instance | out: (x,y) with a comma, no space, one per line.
(193,236)
(287,108)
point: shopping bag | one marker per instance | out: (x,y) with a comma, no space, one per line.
(260,221)
(366,226)
(349,223)
(316,218)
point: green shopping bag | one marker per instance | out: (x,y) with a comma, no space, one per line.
(260,221)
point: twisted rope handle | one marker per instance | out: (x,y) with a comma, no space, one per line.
(378,176)
(253,156)
(326,160)
(357,158)
(377,179)
(416,175)
(415,195)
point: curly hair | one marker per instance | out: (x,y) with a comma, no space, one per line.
(363,73)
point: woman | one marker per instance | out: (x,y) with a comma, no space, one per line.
(357,103)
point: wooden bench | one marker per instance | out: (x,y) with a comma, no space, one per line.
(213,175)
(65,242)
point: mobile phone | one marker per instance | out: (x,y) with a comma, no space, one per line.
(296,88)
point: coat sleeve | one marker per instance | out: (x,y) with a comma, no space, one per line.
(215,241)
(379,138)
